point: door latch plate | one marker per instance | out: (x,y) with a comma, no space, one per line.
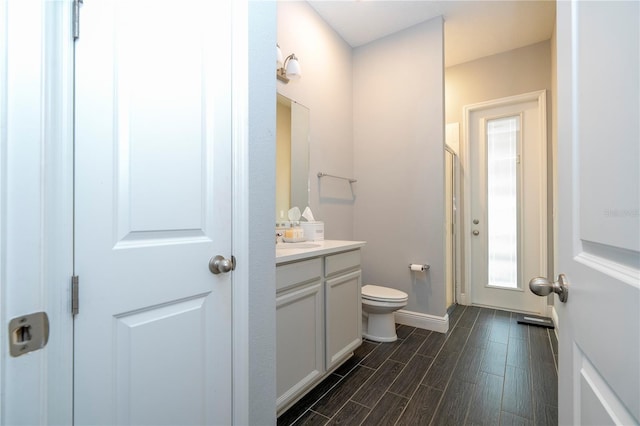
(28,333)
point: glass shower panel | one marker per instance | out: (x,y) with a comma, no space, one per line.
(503,136)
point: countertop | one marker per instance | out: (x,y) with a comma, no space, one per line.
(292,253)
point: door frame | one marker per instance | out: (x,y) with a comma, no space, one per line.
(36,159)
(539,96)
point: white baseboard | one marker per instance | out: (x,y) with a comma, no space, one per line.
(462,299)
(424,321)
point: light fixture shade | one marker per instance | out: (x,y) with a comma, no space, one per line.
(294,71)
(279,58)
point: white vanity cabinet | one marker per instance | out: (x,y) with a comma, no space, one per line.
(299,327)
(343,320)
(318,316)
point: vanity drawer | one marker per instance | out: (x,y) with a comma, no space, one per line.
(342,262)
(292,274)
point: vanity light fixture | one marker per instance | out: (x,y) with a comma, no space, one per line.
(289,69)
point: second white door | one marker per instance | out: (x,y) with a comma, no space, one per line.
(152,206)
(507,216)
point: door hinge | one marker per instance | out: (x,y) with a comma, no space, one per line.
(76,19)
(75,302)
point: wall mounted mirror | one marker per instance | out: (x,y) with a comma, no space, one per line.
(292,156)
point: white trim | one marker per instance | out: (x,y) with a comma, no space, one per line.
(36,118)
(240,208)
(541,97)
(424,321)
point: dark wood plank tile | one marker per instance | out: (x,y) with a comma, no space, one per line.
(432,344)
(485,315)
(378,383)
(350,414)
(422,331)
(441,370)
(509,419)
(518,331)
(454,404)
(333,401)
(402,331)
(540,344)
(421,407)
(495,358)
(479,336)
(545,415)
(408,348)
(360,353)
(517,397)
(499,332)
(518,353)
(380,354)
(311,418)
(502,315)
(296,410)
(407,382)
(554,340)
(486,402)
(387,411)
(469,316)
(465,372)
(456,340)
(544,378)
(468,367)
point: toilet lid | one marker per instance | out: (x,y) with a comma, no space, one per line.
(376,292)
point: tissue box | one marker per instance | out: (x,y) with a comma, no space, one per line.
(313,231)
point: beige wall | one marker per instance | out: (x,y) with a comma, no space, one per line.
(399,162)
(326,89)
(506,74)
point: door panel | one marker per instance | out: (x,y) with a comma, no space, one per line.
(598,205)
(152,206)
(530,163)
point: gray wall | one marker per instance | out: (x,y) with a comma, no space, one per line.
(326,89)
(399,162)
(262,142)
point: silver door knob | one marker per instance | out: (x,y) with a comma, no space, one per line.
(219,265)
(476,232)
(542,287)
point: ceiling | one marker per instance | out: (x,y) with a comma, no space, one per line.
(473,29)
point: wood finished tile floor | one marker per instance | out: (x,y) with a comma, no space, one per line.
(487,370)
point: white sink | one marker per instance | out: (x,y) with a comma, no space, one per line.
(296,245)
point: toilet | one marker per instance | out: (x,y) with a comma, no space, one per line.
(378,305)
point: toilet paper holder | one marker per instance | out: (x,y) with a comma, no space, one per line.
(419,267)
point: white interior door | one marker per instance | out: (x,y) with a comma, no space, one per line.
(507,222)
(152,206)
(598,205)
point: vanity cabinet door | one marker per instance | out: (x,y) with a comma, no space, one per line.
(300,340)
(343,316)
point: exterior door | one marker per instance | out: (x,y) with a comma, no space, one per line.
(598,205)
(152,206)
(507,147)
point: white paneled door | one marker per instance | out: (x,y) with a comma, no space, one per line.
(152,206)
(598,212)
(507,218)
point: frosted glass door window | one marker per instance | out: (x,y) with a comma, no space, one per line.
(503,136)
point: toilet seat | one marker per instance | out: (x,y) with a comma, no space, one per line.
(383,294)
